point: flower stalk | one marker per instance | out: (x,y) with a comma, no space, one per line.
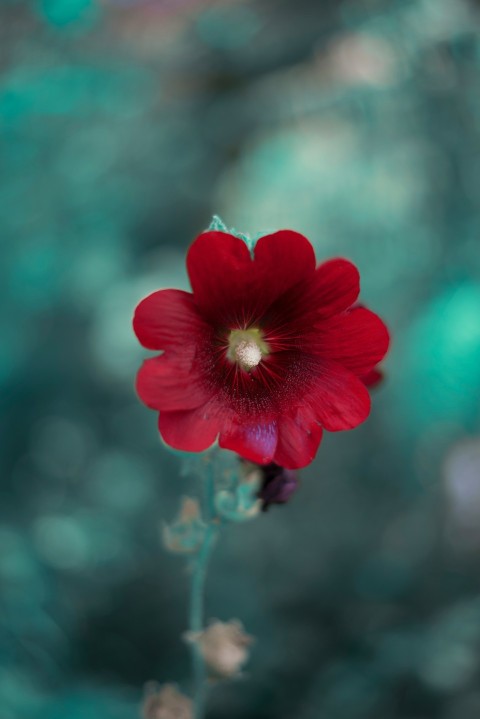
(197,593)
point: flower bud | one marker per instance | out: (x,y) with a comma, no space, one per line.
(238,500)
(185,535)
(166,703)
(278,485)
(224,647)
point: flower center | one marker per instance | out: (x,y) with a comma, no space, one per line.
(247,348)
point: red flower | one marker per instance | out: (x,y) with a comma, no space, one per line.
(266,352)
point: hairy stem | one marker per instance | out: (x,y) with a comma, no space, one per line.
(197,595)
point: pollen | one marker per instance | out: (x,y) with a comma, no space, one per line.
(247,348)
(248,354)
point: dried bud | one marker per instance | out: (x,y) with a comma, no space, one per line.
(186,534)
(166,703)
(278,485)
(224,646)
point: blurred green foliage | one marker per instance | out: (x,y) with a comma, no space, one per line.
(124,125)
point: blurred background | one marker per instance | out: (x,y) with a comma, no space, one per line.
(124,125)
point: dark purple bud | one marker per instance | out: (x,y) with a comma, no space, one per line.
(278,484)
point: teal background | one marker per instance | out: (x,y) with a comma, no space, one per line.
(124,126)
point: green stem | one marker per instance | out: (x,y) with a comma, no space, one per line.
(197,595)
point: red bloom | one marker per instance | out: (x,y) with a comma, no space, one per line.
(266,352)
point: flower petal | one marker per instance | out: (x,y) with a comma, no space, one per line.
(253,441)
(357,339)
(232,288)
(168,383)
(335,287)
(283,260)
(330,290)
(298,441)
(336,397)
(168,319)
(220,270)
(190,430)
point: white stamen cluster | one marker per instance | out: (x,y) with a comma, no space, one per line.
(248,354)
